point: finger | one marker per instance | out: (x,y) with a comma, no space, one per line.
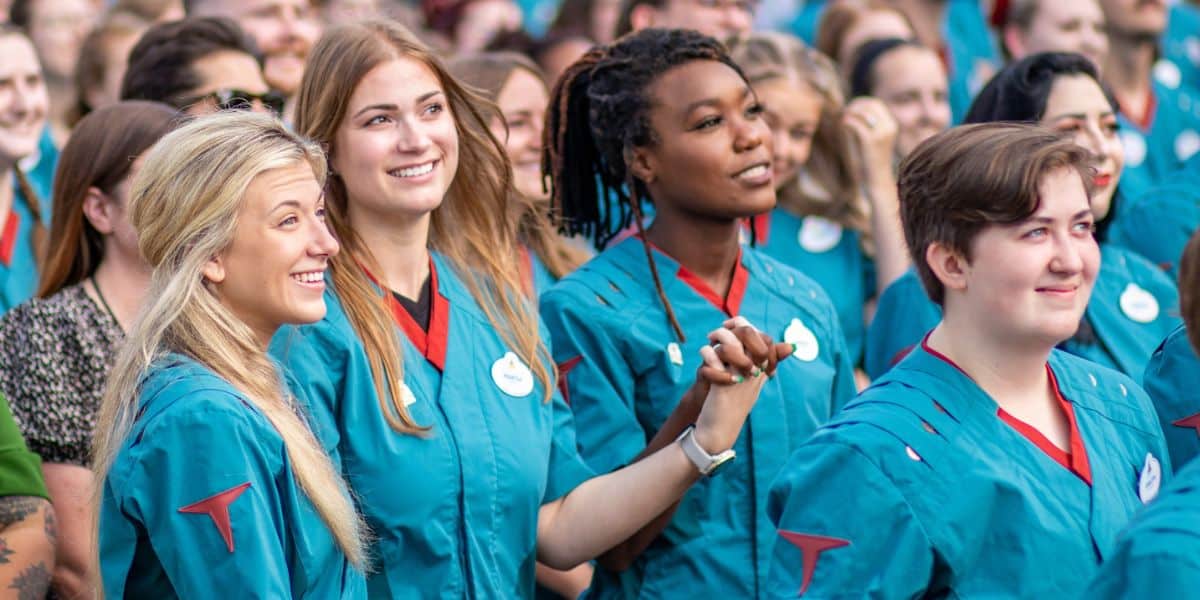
(783,350)
(772,355)
(729,349)
(735,322)
(755,348)
(718,376)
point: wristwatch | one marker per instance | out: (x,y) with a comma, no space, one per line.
(707,464)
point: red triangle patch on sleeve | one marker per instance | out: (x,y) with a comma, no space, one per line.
(217,508)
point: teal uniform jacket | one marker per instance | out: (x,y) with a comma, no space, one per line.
(924,487)
(18,269)
(1181,45)
(455,509)
(1172,380)
(1157,144)
(1158,555)
(625,371)
(1159,224)
(971,54)
(833,257)
(201,502)
(1134,305)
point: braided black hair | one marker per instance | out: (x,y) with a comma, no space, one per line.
(599,112)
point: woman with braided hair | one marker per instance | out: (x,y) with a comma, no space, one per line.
(23,109)
(664,117)
(430,376)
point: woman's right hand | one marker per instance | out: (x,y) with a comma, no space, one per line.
(737,363)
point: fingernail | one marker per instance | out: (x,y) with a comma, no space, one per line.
(738,379)
(795,347)
(755,372)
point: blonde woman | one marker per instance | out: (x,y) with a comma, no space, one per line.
(837,218)
(210,482)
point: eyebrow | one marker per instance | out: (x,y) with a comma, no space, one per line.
(1082,116)
(1075,217)
(746,92)
(286,203)
(392,107)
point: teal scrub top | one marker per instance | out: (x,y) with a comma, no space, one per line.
(921,488)
(1181,45)
(19,274)
(1172,380)
(624,372)
(1157,145)
(1158,555)
(833,257)
(454,510)
(201,502)
(1159,224)
(1134,305)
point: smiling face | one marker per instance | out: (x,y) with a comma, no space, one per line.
(23,99)
(911,81)
(1077,26)
(522,103)
(396,149)
(1136,18)
(285,31)
(712,152)
(58,28)
(1077,106)
(792,111)
(1030,282)
(871,25)
(273,273)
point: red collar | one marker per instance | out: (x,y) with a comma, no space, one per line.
(8,238)
(1146,119)
(431,344)
(1074,460)
(760,225)
(732,303)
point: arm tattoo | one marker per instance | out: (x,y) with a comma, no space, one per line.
(32,583)
(51,526)
(5,551)
(16,508)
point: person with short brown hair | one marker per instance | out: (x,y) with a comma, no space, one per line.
(987,463)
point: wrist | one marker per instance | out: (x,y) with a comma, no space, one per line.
(707,463)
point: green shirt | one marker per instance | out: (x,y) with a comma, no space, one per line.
(20,469)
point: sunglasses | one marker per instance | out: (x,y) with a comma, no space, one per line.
(235,99)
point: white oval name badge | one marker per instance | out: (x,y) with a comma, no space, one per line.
(512,376)
(1138,304)
(807,347)
(819,235)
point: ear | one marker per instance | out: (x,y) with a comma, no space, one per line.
(642,17)
(1013,41)
(214,270)
(98,210)
(949,266)
(641,164)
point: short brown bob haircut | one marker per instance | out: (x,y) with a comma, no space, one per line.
(1189,289)
(965,179)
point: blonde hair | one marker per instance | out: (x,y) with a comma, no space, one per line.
(828,185)
(184,204)
(471,227)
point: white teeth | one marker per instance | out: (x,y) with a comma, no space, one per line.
(414,171)
(752,172)
(310,277)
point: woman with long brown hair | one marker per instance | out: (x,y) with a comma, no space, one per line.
(430,370)
(56,349)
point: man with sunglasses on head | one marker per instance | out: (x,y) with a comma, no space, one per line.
(199,65)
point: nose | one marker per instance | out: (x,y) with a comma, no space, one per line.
(751,134)
(1068,254)
(322,242)
(1091,138)
(411,138)
(738,19)
(931,109)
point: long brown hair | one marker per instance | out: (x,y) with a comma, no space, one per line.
(488,73)
(471,227)
(99,154)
